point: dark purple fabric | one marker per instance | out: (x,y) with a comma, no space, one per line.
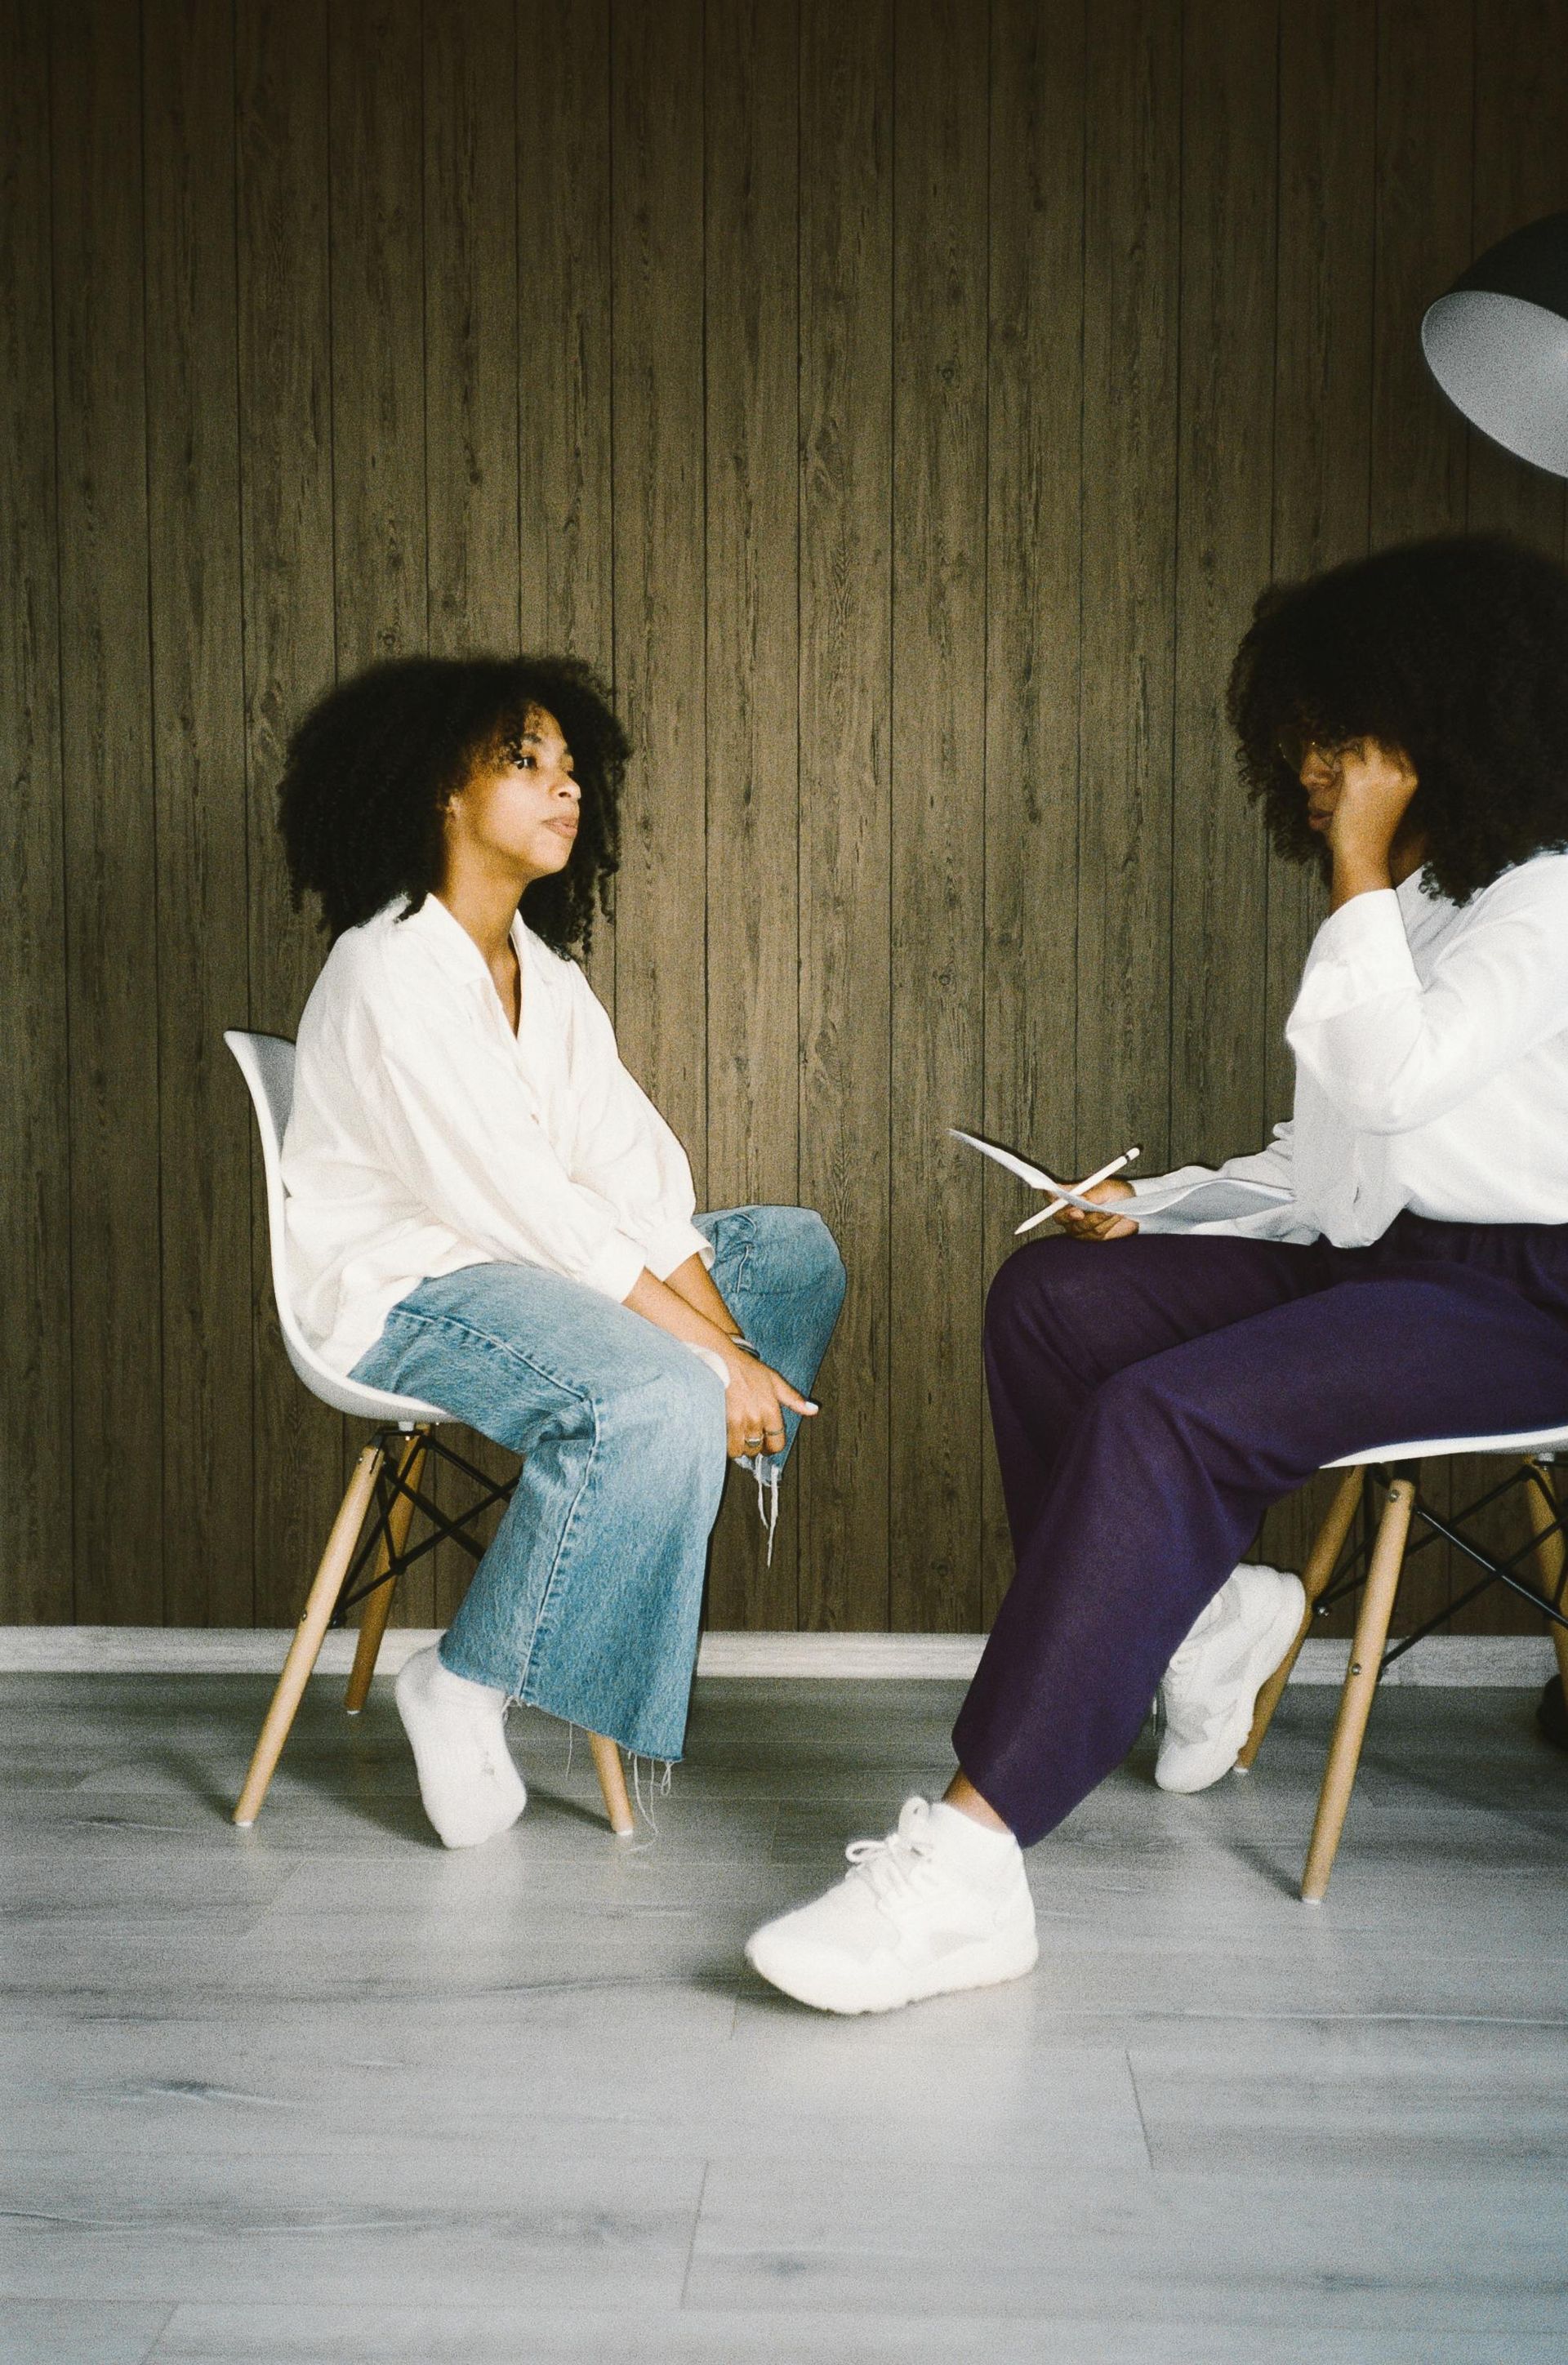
(1152,1398)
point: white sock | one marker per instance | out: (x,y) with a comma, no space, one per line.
(973,1847)
(471,1789)
(442,1686)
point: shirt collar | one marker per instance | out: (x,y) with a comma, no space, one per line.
(451,945)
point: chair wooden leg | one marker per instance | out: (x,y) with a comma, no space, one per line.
(1361,1683)
(305,1649)
(1321,1563)
(1550,1555)
(377,1605)
(613,1783)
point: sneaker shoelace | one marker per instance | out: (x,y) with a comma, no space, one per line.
(899,1866)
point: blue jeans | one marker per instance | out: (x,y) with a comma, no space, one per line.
(587,1602)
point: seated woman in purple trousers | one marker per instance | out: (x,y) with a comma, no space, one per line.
(1404,721)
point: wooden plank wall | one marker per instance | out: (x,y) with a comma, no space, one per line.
(902,402)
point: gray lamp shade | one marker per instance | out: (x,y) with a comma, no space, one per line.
(1498,343)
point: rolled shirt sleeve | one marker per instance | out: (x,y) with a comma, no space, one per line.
(1391,1053)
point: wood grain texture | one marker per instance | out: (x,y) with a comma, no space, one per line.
(904,403)
(379,330)
(193,475)
(656,69)
(938,810)
(846,242)
(1034,574)
(1223,503)
(1419,446)
(34,1208)
(1323,361)
(751,439)
(1421,203)
(111,860)
(379,524)
(287,578)
(565,477)
(564,295)
(1131,285)
(472,360)
(1520,173)
(473,373)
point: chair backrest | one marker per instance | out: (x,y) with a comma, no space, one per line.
(266,1062)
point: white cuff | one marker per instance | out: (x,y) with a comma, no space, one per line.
(1148,1182)
(671,1245)
(617,1267)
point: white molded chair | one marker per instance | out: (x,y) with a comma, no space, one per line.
(1376,1564)
(385,1477)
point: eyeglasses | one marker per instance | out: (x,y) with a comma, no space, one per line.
(1294,747)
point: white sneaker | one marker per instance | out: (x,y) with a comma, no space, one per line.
(1212,1685)
(941,1903)
(470,1787)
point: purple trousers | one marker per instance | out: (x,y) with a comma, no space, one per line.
(1152,1398)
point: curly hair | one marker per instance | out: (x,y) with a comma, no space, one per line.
(1455,653)
(375,764)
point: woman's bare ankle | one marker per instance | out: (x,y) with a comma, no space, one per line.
(961,1793)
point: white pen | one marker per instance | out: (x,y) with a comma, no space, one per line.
(1077,1190)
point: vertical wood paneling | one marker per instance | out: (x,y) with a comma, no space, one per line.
(378,381)
(379,330)
(1034,508)
(659,582)
(1421,208)
(111,857)
(471,354)
(906,404)
(1419,447)
(751,200)
(471,376)
(563,304)
(35,1205)
(286,476)
(1223,500)
(1130,287)
(938,807)
(563,298)
(193,473)
(1323,358)
(846,246)
(1521,172)
(1323,352)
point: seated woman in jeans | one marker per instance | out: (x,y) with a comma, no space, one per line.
(1405,721)
(485,1212)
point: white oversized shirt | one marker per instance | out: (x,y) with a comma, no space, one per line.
(425,1136)
(1431,1058)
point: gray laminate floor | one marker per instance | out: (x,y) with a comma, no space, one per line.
(321,2092)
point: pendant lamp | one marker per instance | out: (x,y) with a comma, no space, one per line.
(1498,343)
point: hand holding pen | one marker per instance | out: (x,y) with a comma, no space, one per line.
(1077,1206)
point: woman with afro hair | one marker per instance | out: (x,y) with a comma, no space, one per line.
(485,1212)
(1403,722)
